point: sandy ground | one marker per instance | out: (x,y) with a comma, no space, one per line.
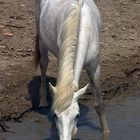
(120,49)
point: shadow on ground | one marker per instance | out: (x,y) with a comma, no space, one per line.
(33,90)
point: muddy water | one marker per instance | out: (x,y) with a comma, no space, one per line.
(123,116)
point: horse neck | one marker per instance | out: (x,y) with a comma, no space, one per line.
(66,66)
(67,54)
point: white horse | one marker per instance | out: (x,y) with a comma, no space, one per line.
(70,30)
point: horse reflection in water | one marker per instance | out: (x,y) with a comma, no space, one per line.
(70,30)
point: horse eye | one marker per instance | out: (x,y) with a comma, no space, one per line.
(77,116)
(55,116)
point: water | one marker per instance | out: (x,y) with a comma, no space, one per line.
(123,118)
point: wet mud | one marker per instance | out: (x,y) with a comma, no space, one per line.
(119,54)
(123,118)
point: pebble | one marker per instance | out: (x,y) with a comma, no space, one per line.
(8,34)
(22,5)
(131,38)
(2,47)
(114,36)
(20,50)
(1,26)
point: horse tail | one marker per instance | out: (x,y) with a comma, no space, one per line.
(36,57)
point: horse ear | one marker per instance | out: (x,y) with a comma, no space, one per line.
(52,88)
(80,92)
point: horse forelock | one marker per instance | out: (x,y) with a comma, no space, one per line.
(63,97)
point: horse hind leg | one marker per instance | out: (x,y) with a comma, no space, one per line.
(43,67)
(99,106)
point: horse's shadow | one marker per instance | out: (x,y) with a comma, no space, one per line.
(33,90)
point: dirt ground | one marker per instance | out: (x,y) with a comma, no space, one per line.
(120,51)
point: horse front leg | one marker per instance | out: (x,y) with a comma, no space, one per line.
(94,76)
(44,60)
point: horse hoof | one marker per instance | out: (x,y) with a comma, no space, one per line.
(106,131)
